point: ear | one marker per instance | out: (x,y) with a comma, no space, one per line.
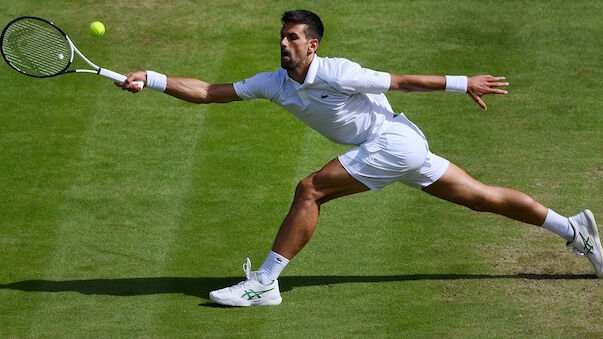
(313,46)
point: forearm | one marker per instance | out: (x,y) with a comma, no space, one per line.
(476,86)
(188,89)
(417,83)
(200,92)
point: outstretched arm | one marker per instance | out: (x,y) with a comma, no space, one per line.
(477,86)
(187,89)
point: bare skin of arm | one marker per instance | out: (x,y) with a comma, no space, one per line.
(477,86)
(187,89)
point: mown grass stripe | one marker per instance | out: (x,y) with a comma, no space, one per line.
(396,264)
(124,203)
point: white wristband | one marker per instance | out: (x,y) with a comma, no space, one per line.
(456,83)
(156,81)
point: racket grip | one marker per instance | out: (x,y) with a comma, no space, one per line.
(117,77)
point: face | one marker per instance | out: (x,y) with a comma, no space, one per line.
(295,46)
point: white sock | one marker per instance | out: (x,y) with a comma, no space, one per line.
(559,225)
(272,268)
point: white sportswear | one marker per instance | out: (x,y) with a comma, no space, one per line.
(339,99)
(345,102)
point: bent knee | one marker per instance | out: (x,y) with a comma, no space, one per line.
(306,190)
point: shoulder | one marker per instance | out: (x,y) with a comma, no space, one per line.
(261,85)
(337,64)
(349,77)
(265,78)
(337,69)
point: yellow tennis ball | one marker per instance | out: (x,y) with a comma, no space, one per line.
(97,29)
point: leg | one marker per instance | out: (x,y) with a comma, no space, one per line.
(458,187)
(331,182)
(261,287)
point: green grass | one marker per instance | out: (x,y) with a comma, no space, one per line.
(120,212)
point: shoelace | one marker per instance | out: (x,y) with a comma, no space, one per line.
(247,270)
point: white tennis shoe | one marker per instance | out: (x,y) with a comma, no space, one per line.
(250,292)
(586,240)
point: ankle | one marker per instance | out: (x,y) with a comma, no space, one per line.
(272,267)
(264,278)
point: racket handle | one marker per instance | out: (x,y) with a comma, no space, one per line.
(117,77)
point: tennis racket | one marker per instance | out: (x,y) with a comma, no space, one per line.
(38,48)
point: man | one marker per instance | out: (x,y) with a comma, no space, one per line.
(346,104)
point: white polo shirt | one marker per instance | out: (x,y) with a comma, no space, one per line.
(339,99)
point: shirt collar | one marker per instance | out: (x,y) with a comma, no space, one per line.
(310,76)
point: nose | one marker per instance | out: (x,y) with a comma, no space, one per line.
(284,41)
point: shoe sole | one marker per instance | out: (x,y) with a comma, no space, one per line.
(595,232)
(245,303)
(591,226)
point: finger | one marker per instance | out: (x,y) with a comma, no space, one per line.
(497,91)
(132,86)
(491,78)
(479,101)
(125,85)
(482,104)
(498,84)
(489,90)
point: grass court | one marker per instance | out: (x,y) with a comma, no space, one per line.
(120,212)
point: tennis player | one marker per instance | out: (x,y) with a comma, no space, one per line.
(345,102)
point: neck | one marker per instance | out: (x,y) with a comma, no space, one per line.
(299,73)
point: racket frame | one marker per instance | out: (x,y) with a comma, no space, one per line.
(98,70)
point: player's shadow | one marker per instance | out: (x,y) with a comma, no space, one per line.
(200,287)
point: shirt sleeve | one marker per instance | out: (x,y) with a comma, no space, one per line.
(261,85)
(352,78)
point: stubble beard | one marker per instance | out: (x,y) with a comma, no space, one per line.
(289,64)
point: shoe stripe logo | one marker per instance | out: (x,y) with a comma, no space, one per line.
(588,248)
(253,294)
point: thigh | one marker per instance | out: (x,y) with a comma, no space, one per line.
(333,181)
(456,186)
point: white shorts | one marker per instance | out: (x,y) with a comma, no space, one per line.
(399,154)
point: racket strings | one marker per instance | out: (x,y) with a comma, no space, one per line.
(36,47)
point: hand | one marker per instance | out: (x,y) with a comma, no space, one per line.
(129,83)
(481,85)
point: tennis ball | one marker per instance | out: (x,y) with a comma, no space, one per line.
(97,29)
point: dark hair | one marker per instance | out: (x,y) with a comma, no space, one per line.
(315,28)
